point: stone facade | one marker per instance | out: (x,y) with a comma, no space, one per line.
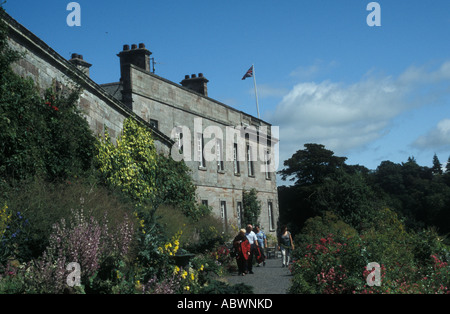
(179,116)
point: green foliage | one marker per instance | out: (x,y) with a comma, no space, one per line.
(15,241)
(420,194)
(348,195)
(251,207)
(342,223)
(323,183)
(336,263)
(43,204)
(130,165)
(133,166)
(176,188)
(69,142)
(311,165)
(47,137)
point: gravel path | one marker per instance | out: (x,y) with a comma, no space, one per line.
(270,279)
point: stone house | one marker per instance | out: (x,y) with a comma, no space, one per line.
(227,150)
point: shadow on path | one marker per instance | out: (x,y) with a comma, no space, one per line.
(270,279)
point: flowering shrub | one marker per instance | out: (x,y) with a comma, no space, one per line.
(335,265)
(170,284)
(85,241)
(222,254)
(189,279)
(13,235)
(171,247)
(130,165)
(326,265)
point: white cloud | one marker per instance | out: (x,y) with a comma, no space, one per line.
(349,116)
(438,138)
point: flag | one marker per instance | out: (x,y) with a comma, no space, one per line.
(249,73)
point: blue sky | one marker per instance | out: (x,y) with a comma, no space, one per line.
(323,75)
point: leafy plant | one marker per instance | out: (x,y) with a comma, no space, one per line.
(130,165)
(251,207)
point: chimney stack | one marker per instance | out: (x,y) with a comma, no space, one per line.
(197,84)
(137,55)
(82,65)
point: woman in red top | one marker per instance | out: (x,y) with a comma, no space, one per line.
(242,249)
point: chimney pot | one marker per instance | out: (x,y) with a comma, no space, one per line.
(133,46)
(82,65)
(126,47)
(142,45)
(197,84)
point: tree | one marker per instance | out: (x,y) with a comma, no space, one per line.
(311,165)
(437,166)
(251,207)
(324,183)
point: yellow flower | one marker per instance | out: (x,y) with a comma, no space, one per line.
(202,267)
(184,274)
(177,269)
(192,276)
(187,288)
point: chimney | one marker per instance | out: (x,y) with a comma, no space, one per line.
(82,65)
(197,84)
(137,55)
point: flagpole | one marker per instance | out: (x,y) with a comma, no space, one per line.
(256,92)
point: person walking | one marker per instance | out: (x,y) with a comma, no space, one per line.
(242,251)
(285,244)
(262,243)
(253,240)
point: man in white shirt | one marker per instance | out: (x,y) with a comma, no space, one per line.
(251,236)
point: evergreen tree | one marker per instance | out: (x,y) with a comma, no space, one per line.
(437,166)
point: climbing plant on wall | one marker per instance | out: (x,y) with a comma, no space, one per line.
(251,206)
(43,135)
(130,164)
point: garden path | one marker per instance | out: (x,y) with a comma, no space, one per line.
(270,279)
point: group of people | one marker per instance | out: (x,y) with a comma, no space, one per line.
(249,244)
